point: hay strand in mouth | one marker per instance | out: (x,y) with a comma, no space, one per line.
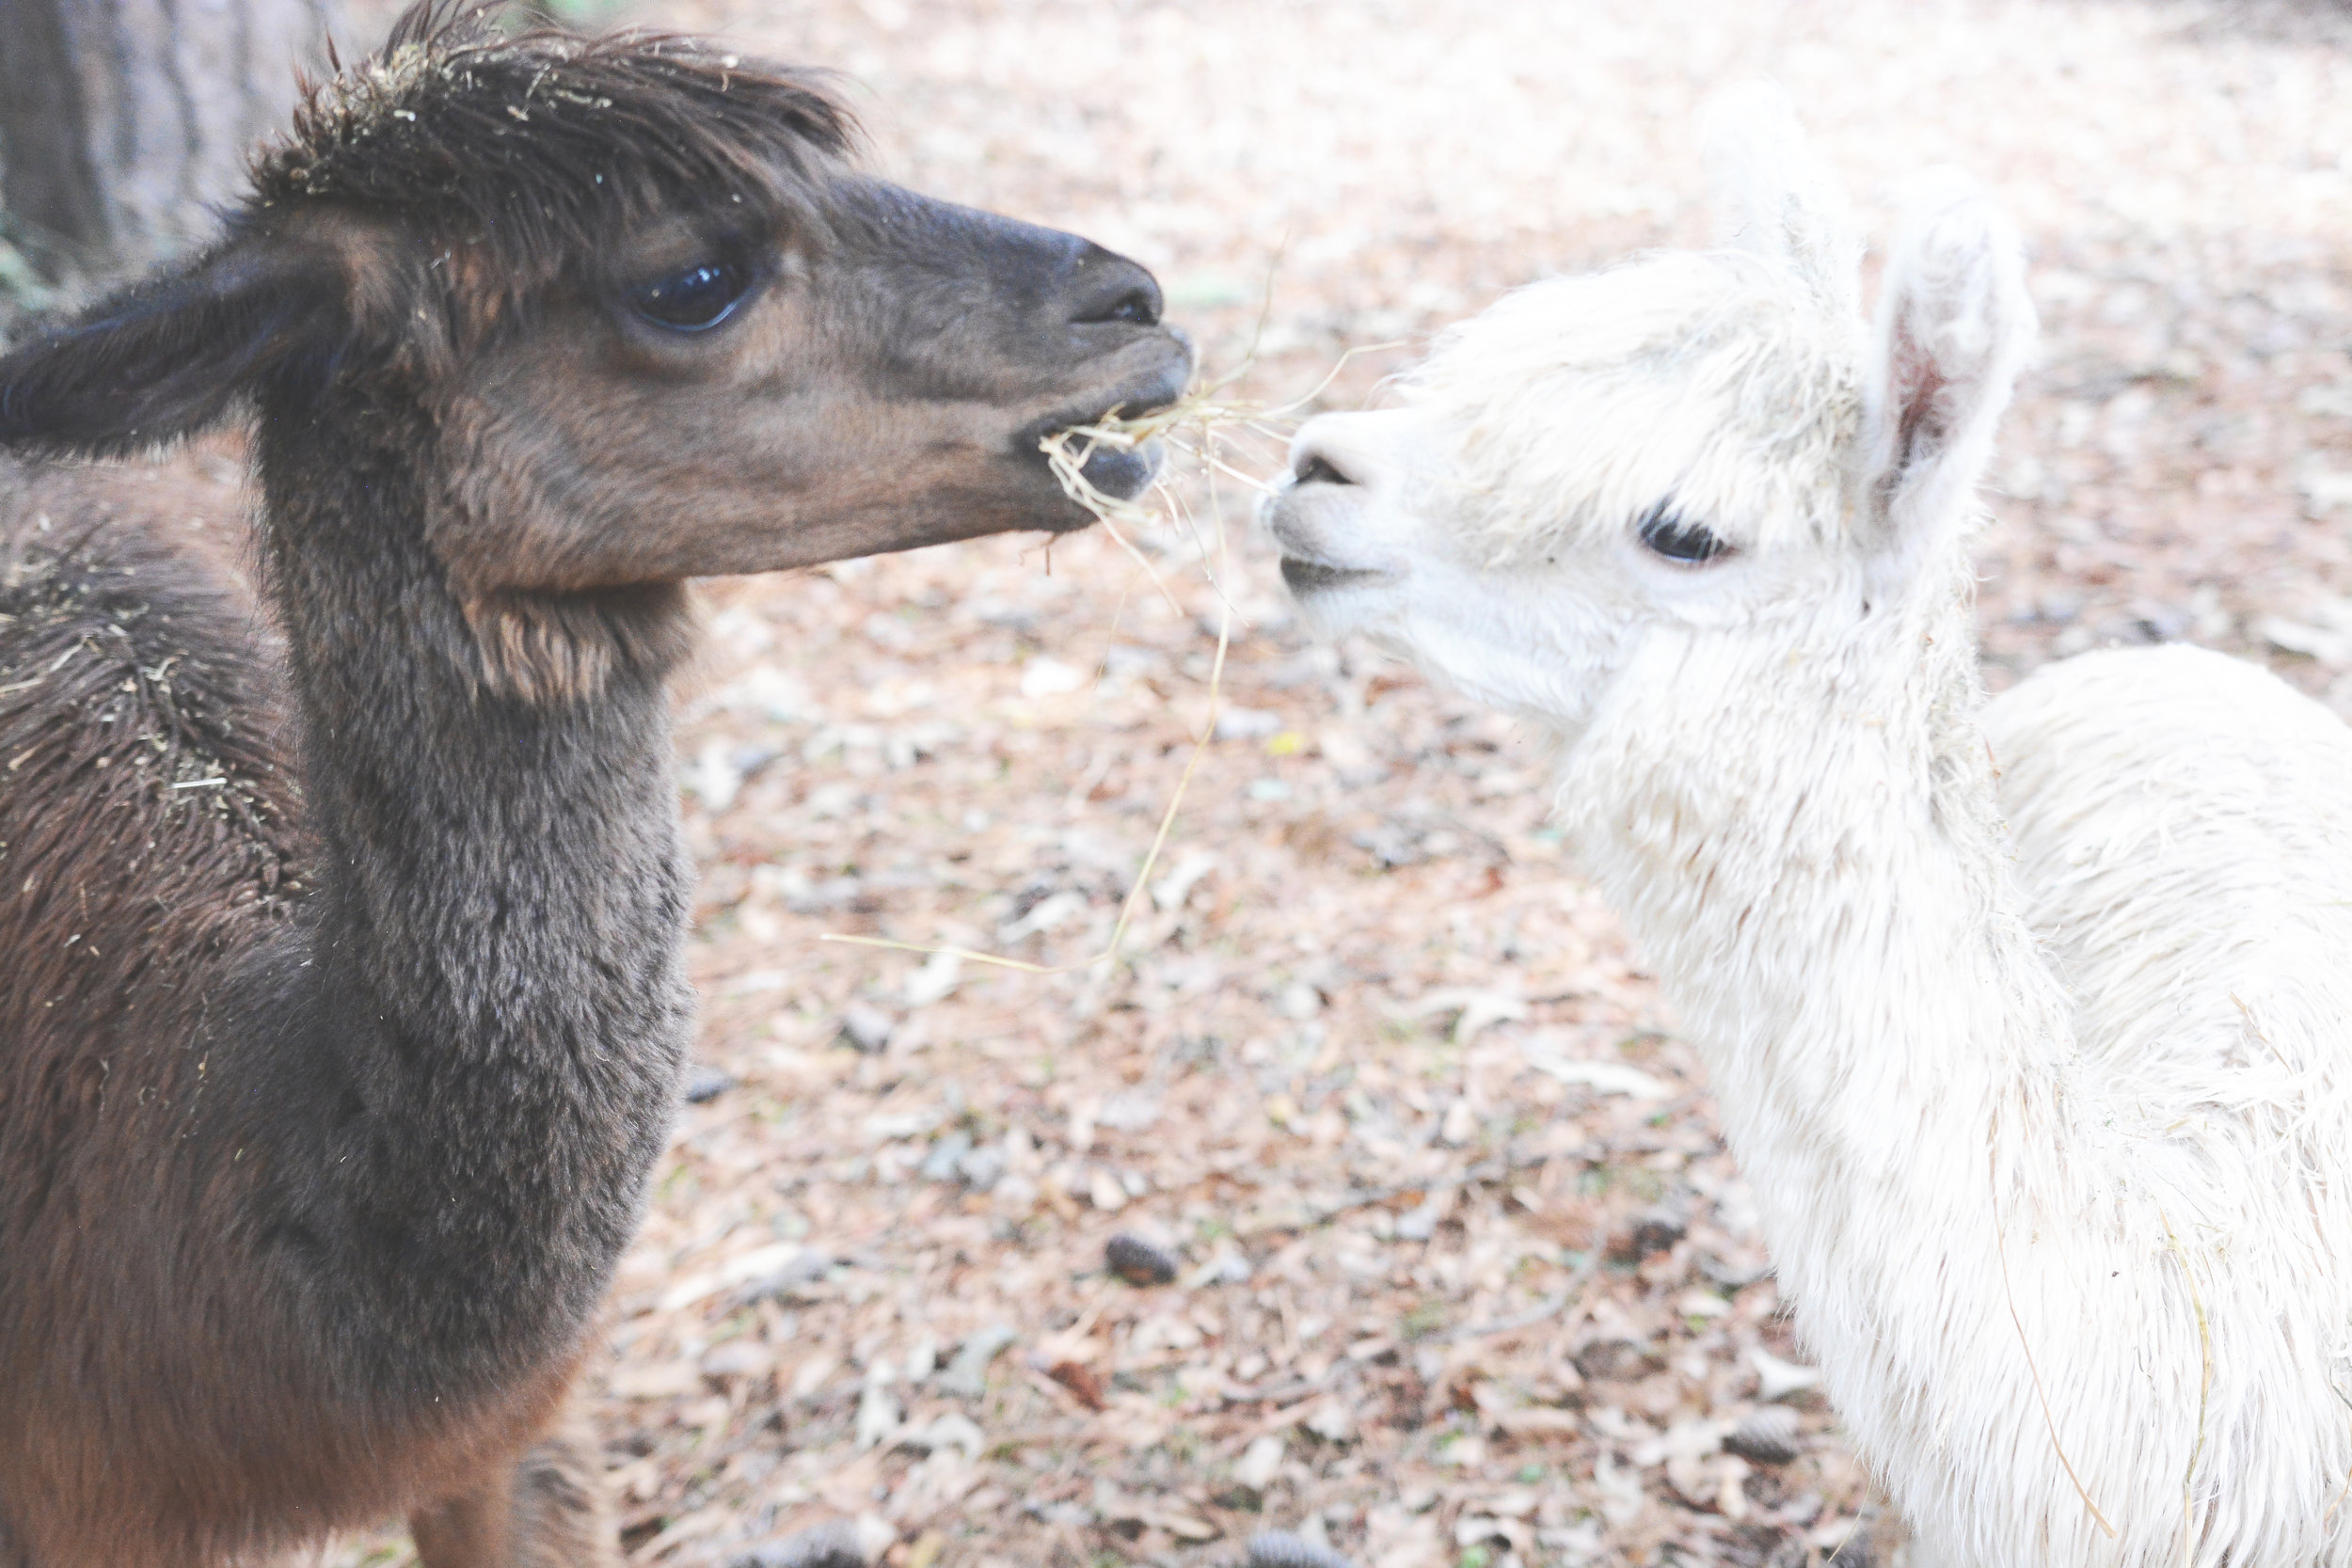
(1196,424)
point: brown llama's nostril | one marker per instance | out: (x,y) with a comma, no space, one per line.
(1118,291)
(1319,469)
(1137,307)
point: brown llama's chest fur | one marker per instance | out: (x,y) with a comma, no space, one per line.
(150,846)
(146,791)
(157,887)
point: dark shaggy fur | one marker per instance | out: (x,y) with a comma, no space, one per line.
(505,164)
(344,1008)
(325,1118)
(527,151)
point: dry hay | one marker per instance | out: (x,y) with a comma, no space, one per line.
(1201,427)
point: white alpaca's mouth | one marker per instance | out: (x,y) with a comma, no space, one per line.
(1311,519)
(1303,577)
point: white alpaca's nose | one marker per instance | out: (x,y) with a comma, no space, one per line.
(1314,468)
(1376,451)
(1329,520)
(1321,453)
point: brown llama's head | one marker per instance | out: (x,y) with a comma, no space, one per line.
(655,323)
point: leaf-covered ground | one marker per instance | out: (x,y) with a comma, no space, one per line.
(1462,1271)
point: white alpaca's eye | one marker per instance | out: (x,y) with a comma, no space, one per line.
(1667,534)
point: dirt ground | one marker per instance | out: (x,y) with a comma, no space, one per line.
(1462,1273)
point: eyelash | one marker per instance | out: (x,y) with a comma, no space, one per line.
(1668,536)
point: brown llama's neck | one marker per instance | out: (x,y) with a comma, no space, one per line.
(492,983)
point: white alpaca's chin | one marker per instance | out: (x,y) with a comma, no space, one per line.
(1337,603)
(1318,533)
(1504,678)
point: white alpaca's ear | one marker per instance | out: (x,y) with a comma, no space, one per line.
(1955,326)
(1774,195)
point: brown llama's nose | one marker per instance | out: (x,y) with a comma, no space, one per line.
(1107,287)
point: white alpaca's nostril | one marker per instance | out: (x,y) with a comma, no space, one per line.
(1316,468)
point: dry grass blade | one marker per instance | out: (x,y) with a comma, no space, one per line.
(1196,426)
(2347,1480)
(2009,1290)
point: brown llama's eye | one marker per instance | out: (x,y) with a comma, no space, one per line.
(1667,534)
(695,298)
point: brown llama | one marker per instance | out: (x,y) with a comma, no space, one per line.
(344,1010)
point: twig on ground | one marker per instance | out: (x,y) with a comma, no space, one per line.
(1551,1306)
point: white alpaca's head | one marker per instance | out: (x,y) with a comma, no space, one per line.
(1710,443)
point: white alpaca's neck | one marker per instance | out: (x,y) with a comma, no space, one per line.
(1826,895)
(1802,836)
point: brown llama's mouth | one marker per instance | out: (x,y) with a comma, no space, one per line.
(1119,471)
(1123,473)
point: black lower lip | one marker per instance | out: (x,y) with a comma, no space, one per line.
(1310,576)
(1122,473)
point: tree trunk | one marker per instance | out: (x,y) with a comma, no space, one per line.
(120,120)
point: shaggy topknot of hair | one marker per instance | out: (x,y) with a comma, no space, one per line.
(532,148)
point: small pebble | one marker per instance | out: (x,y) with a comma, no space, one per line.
(1277,1548)
(878,1415)
(1734,1276)
(1655,1231)
(1420,1223)
(1137,1261)
(808,1266)
(952,1429)
(982,1168)
(738,1360)
(1229,1268)
(946,1160)
(966,1374)
(1259,1462)
(1333,1422)
(1616,1361)
(705,1082)
(1767,1437)
(1776,1379)
(835,1544)
(867,1028)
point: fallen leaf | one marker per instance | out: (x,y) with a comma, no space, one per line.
(1081,1380)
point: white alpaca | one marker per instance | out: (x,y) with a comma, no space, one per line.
(2050,1118)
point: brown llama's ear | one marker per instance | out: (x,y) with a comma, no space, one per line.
(168,355)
